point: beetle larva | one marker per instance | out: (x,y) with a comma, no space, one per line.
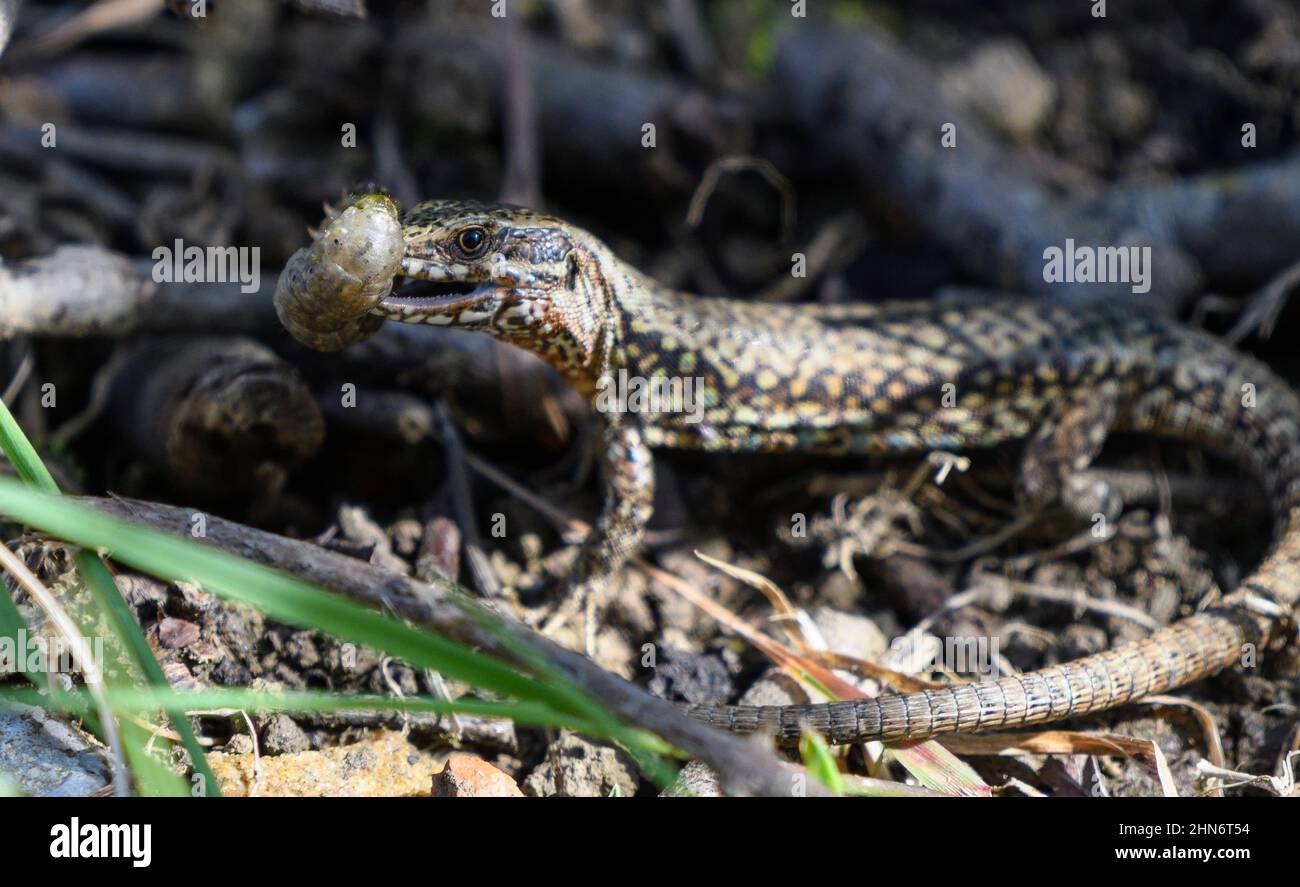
(326,290)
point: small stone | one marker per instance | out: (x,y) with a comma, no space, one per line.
(1004,85)
(438,555)
(301,649)
(42,756)
(467,776)
(404,536)
(180,677)
(849,633)
(383,764)
(1166,597)
(682,676)
(282,736)
(839,590)
(141,591)
(194,600)
(696,780)
(775,687)
(587,770)
(1080,639)
(613,653)
(176,633)
(630,610)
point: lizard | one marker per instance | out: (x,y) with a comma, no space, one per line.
(868,380)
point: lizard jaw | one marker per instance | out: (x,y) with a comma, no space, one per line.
(429,293)
(438,304)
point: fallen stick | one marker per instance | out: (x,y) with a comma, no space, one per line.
(744,767)
(222,417)
(879,113)
(1241,225)
(91,291)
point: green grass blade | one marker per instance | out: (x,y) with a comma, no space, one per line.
(320,702)
(277,594)
(27,462)
(22,454)
(605,721)
(819,761)
(11,623)
(295,602)
(288,600)
(110,601)
(143,699)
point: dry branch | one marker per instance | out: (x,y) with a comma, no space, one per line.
(89,291)
(744,767)
(223,418)
(878,113)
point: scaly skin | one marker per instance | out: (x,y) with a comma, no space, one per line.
(869,380)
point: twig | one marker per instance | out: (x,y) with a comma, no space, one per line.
(485,579)
(728,165)
(21,375)
(1282,786)
(855,87)
(81,291)
(744,768)
(834,243)
(989,588)
(521,182)
(106,15)
(1264,308)
(797,666)
(222,417)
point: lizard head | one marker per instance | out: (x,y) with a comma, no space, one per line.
(485,267)
(514,273)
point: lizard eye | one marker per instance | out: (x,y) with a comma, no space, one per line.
(472,241)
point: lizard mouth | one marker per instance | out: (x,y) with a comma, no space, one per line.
(424,285)
(415,293)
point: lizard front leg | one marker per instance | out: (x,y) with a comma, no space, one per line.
(627,472)
(1065,445)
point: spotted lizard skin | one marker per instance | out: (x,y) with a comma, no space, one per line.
(857,379)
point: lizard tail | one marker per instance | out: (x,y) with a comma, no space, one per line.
(1188,650)
(1267,438)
